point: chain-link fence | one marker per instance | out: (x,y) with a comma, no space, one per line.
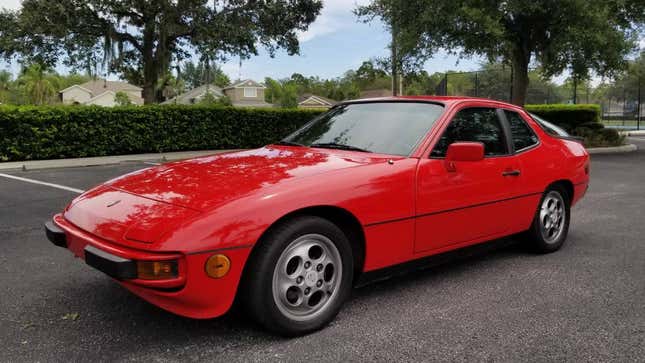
(622,105)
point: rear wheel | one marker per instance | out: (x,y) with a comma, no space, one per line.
(551,221)
(299,277)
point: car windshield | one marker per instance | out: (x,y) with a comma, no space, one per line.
(549,127)
(393,128)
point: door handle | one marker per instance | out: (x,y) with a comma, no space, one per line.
(511,173)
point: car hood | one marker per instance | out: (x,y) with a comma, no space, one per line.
(204,183)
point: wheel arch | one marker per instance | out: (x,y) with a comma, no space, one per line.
(344,219)
(567,185)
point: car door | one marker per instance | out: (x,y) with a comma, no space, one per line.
(474,200)
(534,164)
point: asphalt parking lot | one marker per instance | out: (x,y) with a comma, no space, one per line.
(583,303)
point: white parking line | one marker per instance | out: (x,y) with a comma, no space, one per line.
(151,163)
(79,191)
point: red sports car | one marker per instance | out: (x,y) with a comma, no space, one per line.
(289,228)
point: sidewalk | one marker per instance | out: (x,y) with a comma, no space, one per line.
(105,160)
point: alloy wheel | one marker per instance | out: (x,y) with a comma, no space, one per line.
(552,217)
(307,277)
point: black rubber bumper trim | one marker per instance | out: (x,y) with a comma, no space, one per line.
(114,266)
(55,235)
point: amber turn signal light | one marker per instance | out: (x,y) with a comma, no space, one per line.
(157,270)
(217,266)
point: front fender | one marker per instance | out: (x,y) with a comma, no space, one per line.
(372,193)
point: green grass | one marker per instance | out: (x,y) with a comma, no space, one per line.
(632,123)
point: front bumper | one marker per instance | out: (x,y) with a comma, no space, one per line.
(192,294)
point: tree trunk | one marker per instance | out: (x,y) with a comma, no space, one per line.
(521,59)
(149,64)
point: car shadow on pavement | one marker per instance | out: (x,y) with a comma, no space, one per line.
(104,303)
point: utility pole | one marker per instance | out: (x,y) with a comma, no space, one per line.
(396,76)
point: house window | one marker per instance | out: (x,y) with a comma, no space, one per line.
(250,92)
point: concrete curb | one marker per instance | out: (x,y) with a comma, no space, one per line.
(633,133)
(105,160)
(612,150)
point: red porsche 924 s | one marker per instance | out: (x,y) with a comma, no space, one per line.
(288,229)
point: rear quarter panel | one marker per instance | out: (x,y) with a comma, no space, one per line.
(553,160)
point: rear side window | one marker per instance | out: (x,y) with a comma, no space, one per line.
(550,128)
(521,133)
(474,124)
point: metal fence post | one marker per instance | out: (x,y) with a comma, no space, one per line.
(510,98)
(445,84)
(476,84)
(624,105)
(638,109)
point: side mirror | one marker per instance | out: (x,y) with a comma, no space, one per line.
(463,151)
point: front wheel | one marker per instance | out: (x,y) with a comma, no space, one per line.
(299,277)
(551,221)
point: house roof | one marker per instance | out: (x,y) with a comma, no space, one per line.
(246,83)
(316,98)
(195,93)
(99,86)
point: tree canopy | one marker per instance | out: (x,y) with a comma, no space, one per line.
(575,35)
(140,39)
(199,74)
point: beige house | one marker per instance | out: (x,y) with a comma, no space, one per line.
(247,93)
(100,93)
(195,95)
(317,102)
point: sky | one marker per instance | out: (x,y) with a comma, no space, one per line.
(336,42)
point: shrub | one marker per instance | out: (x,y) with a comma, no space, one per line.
(568,117)
(29,132)
(122,99)
(579,120)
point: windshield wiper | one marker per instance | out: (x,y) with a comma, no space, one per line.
(288,143)
(334,145)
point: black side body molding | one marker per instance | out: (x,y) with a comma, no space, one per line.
(433,261)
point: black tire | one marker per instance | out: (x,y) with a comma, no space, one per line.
(257,288)
(540,240)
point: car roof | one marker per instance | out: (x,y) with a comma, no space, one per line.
(446,100)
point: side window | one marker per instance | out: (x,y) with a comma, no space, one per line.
(521,133)
(474,124)
(550,128)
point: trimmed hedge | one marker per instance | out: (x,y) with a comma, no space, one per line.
(30,132)
(568,117)
(579,120)
(52,132)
